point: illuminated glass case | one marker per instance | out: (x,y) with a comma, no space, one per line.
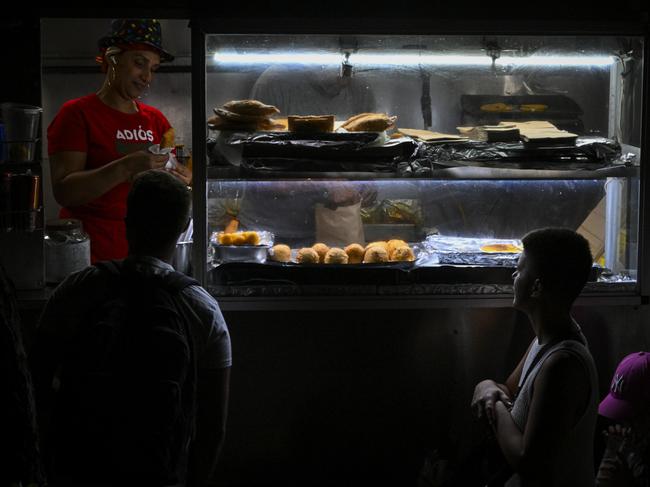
(445,183)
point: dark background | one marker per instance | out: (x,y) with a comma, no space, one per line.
(19,25)
(360,402)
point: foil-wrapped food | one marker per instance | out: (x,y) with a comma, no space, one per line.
(441,249)
(393,211)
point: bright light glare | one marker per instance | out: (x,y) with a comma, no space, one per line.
(362,59)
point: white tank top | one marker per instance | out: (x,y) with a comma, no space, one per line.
(575,462)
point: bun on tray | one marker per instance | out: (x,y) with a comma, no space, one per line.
(280,253)
(379,243)
(375,254)
(403,254)
(355,253)
(307,255)
(321,249)
(336,256)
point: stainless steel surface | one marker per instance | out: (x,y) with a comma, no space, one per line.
(182,260)
(67,249)
(240,253)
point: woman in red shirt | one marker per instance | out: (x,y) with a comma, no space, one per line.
(98,143)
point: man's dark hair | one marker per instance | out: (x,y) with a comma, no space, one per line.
(158,209)
(562,260)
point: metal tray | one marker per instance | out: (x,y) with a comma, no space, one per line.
(239,253)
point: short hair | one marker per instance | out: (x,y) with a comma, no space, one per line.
(562,259)
(158,208)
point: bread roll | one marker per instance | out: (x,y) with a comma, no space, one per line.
(336,256)
(321,249)
(375,254)
(311,123)
(280,253)
(355,253)
(394,243)
(379,243)
(307,255)
(403,254)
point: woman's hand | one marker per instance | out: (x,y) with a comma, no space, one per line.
(486,394)
(183,173)
(140,161)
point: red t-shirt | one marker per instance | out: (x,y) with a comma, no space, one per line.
(89,125)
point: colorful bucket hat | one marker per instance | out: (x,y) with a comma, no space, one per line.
(136,31)
(629,393)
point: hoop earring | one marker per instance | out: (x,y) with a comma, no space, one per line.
(111,76)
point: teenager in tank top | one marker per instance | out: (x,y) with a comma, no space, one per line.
(544,415)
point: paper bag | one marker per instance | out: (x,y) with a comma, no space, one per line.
(339,227)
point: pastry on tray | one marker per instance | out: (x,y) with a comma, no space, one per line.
(310,123)
(250,107)
(369,122)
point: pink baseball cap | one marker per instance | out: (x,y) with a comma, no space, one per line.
(629,393)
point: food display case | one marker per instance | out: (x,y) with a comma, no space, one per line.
(452,145)
(361,373)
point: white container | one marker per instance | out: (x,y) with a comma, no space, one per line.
(182,259)
(67,249)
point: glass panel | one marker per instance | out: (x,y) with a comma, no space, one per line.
(590,87)
(601,210)
(422,79)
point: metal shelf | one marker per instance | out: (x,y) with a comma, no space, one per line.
(460,172)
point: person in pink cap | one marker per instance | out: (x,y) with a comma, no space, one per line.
(626,460)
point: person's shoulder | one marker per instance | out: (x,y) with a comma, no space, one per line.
(80,103)
(565,365)
(79,285)
(200,297)
(206,309)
